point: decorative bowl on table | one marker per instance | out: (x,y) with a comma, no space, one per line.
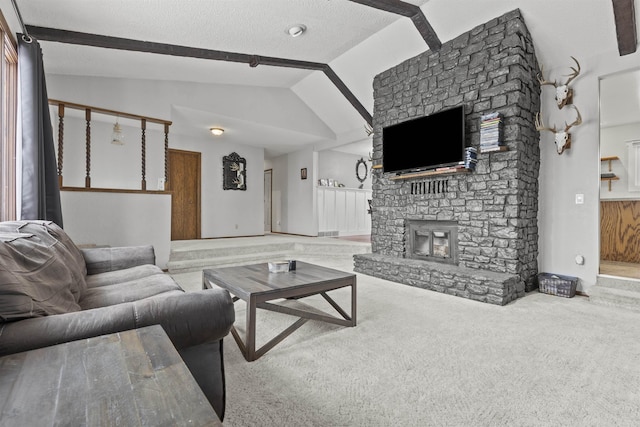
(278,266)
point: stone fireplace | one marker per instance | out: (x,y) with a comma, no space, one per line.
(489,250)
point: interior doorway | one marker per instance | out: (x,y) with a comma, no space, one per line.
(184,184)
(619,174)
(268,175)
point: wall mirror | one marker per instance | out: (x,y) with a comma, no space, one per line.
(620,174)
(361,171)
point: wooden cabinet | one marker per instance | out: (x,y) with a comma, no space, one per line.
(620,230)
(343,211)
(609,176)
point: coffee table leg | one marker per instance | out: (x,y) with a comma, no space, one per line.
(251,330)
(353,303)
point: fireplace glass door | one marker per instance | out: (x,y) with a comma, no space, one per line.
(432,240)
(422,243)
(441,244)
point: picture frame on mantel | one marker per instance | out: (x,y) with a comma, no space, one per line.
(234,172)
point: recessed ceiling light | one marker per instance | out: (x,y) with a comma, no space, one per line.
(296,30)
(217,131)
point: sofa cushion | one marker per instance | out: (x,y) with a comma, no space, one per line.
(101,260)
(35,280)
(59,244)
(155,285)
(119,276)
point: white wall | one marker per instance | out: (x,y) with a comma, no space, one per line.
(342,167)
(613,142)
(294,207)
(228,213)
(567,229)
(119,219)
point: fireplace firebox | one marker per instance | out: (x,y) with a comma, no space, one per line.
(432,240)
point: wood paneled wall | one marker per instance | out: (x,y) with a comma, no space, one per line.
(620,230)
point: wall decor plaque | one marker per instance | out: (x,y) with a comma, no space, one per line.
(234,172)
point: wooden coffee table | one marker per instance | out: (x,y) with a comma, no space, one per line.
(255,285)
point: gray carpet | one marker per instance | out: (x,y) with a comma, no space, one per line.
(420,358)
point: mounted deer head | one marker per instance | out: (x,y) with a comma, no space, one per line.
(368,129)
(564,94)
(562,137)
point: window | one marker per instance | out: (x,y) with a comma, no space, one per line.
(8,106)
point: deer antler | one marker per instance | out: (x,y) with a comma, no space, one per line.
(542,80)
(368,129)
(575,73)
(540,125)
(576,122)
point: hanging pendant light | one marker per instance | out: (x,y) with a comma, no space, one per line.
(117,137)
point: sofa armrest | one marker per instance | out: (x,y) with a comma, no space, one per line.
(191,318)
(100,260)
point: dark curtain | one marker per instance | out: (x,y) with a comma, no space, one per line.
(40,190)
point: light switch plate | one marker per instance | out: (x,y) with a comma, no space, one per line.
(579,199)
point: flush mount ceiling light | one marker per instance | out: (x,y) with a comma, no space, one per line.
(217,131)
(296,30)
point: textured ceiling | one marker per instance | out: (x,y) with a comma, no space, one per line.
(357,41)
(256,27)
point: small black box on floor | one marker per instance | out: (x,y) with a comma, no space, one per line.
(557,284)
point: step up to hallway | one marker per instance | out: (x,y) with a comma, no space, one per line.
(195,255)
(616,292)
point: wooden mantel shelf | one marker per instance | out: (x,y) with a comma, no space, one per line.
(448,171)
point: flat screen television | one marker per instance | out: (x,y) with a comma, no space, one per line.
(428,142)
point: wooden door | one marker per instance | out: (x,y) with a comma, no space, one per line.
(184,184)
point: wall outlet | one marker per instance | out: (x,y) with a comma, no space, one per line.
(579,199)
(161,184)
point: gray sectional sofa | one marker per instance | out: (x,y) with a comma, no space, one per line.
(53,292)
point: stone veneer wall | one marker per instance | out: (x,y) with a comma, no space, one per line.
(490,68)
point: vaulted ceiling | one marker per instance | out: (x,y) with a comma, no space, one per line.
(242,45)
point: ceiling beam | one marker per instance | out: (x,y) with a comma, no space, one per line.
(96,40)
(108,42)
(625,16)
(410,11)
(348,94)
